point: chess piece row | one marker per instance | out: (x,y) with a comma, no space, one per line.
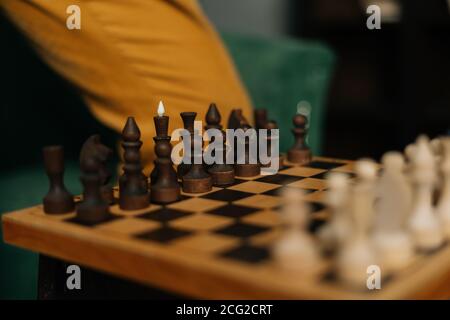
(380,221)
(134,190)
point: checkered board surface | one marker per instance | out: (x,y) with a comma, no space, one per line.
(228,233)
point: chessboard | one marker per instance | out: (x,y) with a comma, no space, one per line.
(218,244)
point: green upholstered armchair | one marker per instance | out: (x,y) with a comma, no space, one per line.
(281,73)
(278,73)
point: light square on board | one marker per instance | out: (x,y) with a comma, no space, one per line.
(206,243)
(214,189)
(302,171)
(201,222)
(260,201)
(268,238)
(250,178)
(132,213)
(318,196)
(264,217)
(197,204)
(129,226)
(309,183)
(39,211)
(348,168)
(254,187)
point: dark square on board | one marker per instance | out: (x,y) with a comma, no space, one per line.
(247,253)
(164,234)
(164,214)
(232,211)
(324,165)
(241,230)
(281,179)
(227,195)
(279,191)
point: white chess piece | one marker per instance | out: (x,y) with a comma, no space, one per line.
(357,253)
(437,147)
(410,151)
(423,224)
(333,234)
(394,248)
(443,205)
(296,250)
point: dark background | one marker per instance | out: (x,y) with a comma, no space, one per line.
(388,86)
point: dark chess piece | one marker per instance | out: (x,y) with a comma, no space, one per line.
(188,123)
(213,119)
(300,153)
(93,147)
(93,208)
(222,173)
(163,148)
(164,185)
(133,194)
(166,189)
(58,199)
(197,180)
(261,119)
(161,122)
(271,125)
(250,166)
(247,168)
(237,120)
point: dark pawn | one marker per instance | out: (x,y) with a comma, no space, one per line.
(249,168)
(261,119)
(58,199)
(197,180)
(93,208)
(271,125)
(166,189)
(188,123)
(300,152)
(237,120)
(94,148)
(163,150)
(222,173)
(133,194)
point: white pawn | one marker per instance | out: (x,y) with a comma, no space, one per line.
(296,250)
(333,234)
(357,253)
(437,147)
(443,205)
(423,224)
(391,240)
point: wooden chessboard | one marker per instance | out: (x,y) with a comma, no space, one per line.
(217,245)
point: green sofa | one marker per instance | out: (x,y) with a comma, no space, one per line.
(277,73)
